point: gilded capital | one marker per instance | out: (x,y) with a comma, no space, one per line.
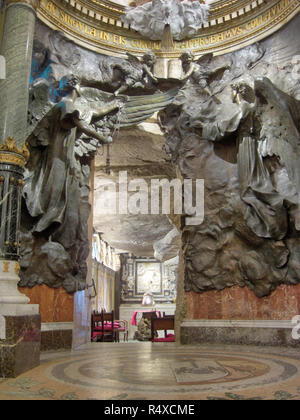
(11,154)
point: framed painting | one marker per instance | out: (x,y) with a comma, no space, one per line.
(148,277)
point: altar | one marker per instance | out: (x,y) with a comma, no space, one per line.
(127,310)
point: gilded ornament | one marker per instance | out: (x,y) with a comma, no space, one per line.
(5,266)
(11,154)
(17,268)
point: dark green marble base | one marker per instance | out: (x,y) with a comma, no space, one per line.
(239,335)
(56,340)
(20,350)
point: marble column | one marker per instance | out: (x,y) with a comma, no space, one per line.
(20,321)
(16,48)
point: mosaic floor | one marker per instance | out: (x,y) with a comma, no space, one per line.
(160,371)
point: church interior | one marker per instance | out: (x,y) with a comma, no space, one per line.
(149,200)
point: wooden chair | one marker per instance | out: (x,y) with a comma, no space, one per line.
(165,323)
(103,327)
(121,326)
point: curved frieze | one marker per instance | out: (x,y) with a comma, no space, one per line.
(97,25)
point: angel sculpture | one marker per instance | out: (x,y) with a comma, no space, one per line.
(199,72)
(60,133)
(61,136)
(136,73)
(55,174)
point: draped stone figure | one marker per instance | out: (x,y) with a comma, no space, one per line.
(270,189)
(56,178)
(57,183)
(243,140)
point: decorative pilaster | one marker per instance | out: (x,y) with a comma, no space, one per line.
(20,321)
(12,160)
(16,48)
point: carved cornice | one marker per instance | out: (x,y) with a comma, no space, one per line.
(97,25)
(11,154)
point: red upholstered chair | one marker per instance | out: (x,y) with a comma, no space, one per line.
(165,323)
(103,327)
(96,326)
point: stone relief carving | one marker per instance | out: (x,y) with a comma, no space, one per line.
(68,120)
(57,184)
(219,125)
(250,233)
(184,18)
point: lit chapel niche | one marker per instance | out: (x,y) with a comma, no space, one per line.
(147,281)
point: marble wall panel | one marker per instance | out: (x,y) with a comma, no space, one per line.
(20,351)
(56,305)
(241,303)
(55,340)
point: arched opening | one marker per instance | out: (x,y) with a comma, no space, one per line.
(136,240)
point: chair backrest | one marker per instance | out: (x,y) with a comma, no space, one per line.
(108,317)
(165,323)
(96,322)
(96,319)
(103,319)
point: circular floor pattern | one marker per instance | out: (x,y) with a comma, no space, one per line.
(133,371)
(175,370)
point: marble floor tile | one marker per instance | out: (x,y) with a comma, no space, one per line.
(160,371)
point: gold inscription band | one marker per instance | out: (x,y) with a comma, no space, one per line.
(218,38)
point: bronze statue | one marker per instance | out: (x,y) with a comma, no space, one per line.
(136,73)
(63,136)
(52,183)
(197,71)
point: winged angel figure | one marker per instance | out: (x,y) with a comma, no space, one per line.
(269,169)
(208,75)
(150,19)
(60,134)
(136,73)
